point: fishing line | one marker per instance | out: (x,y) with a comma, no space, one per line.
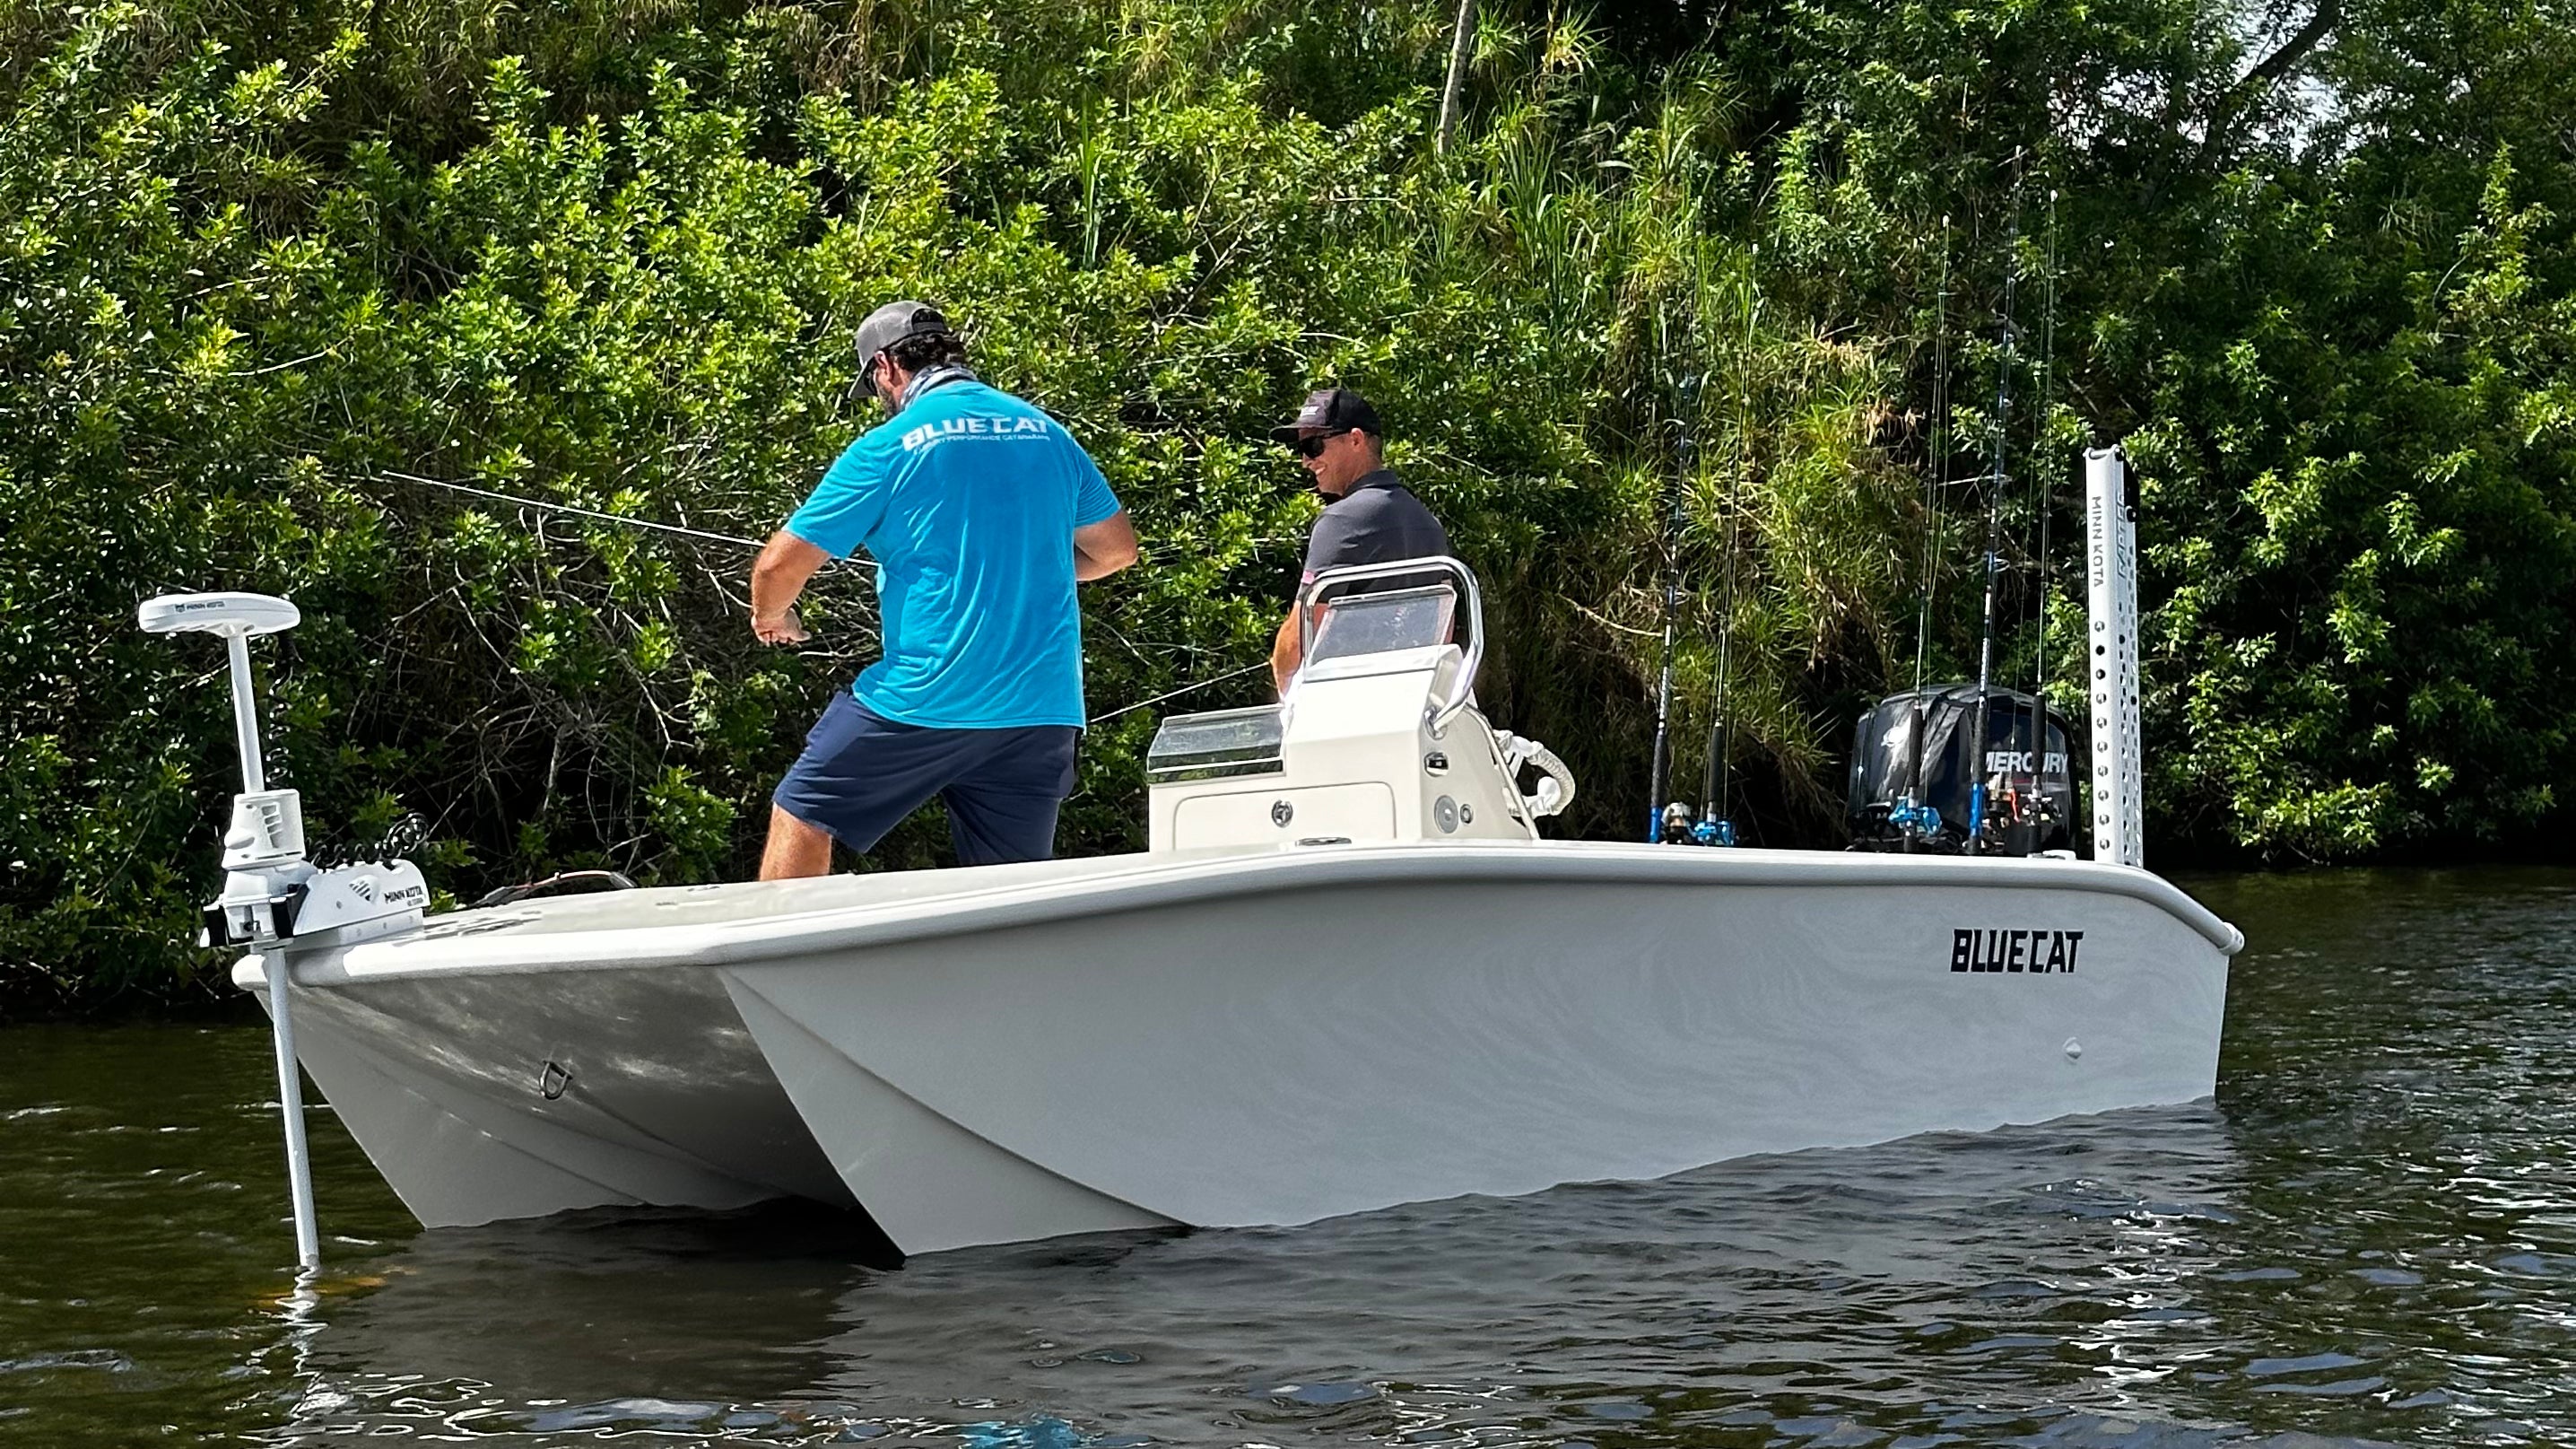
(540,503)
(754,544)
(1184,689)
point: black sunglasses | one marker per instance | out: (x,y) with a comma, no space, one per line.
(1314,447)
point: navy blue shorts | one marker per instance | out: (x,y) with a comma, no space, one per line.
(861,775)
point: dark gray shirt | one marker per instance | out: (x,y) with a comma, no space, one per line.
(1378,521)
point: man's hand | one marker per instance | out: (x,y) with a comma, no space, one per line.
(779,629)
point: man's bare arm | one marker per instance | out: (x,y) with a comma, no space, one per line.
(1103,548)
(776,580)
(1286,651)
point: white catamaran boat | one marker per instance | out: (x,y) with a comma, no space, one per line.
(1348,973)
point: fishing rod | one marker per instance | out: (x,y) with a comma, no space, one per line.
(1655,812)
(547,505)
(1714,828)
(1914,817)
(2040,404)
(2000,478)
(1936,471)
(1716,812)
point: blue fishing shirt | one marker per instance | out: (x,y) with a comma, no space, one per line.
(967,500)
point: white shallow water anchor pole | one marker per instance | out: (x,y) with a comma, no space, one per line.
(263,856)
(2111,658)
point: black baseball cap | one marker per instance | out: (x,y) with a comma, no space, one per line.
(1331,410)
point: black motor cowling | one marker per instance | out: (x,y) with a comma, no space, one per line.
(1912,774)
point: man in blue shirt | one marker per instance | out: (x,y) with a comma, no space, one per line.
(982,513)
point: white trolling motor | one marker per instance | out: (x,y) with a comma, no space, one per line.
(274,901)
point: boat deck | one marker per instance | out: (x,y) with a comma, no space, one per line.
(713,905)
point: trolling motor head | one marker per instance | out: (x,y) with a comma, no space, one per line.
(230,615)
(272,894)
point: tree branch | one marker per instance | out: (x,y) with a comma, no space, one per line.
(1460,39)
(2241,97)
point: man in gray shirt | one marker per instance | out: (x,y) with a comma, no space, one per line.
(1369,515)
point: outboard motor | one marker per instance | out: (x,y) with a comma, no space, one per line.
(1914,774)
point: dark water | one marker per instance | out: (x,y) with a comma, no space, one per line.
(2370,1237)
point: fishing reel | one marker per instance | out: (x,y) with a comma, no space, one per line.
(1680,825)
(2017,816)
(1913,819)
(1908,826)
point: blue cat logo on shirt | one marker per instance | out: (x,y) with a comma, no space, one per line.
(928,433)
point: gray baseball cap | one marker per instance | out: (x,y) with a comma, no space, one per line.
(891,324)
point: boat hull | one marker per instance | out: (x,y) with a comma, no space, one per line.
(490,1096)
(1281,1038)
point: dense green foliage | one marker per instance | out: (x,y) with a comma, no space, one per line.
(264,266)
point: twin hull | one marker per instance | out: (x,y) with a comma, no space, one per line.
(1015,1052)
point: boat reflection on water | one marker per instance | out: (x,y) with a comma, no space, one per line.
(2028,1275)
